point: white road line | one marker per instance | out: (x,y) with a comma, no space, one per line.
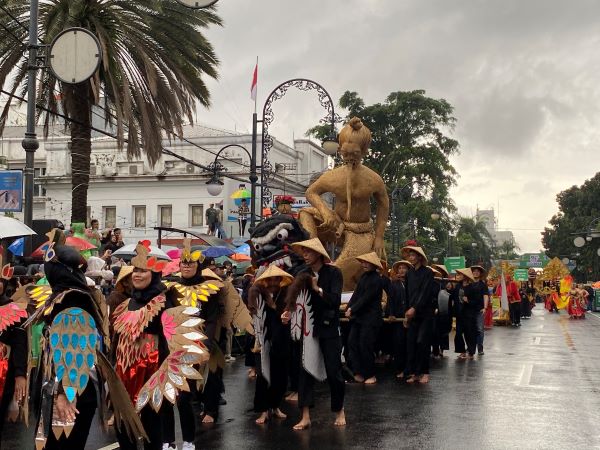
(537,340)
(110,447)
(526,375)
(594,315)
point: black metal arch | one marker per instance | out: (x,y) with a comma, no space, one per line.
(268,116)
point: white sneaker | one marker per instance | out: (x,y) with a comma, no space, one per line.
(188,446)
(166,446)
(229,358)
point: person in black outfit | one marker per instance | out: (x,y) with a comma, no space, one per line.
(456,295)
(14,339)
(422,302)
(473,303)
(443,316)
(325,289)
(364,311)
(267,302)
(395,309)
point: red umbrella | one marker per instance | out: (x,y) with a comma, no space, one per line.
(72,241)
(239,257)
(171,267)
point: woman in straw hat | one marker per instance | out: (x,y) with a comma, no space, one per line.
(422,301)
(443,315)
(395,309)
(472,305)
(266,302)
(364,310)
(323,283)
(481,288)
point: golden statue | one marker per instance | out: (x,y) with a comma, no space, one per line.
(349,224)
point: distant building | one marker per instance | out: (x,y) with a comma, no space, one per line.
(488,217)
(132,195)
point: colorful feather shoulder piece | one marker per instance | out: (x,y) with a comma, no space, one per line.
(191,295)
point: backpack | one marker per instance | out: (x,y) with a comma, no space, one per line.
(211,215)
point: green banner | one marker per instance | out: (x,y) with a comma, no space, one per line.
(454,262)
(539,260)
(520,275)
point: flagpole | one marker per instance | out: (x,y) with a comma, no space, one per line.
(253,175)
(256,96)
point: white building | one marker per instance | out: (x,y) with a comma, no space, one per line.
(136,197)
(488,216)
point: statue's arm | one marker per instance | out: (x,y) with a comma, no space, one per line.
(383,211)
(314,192)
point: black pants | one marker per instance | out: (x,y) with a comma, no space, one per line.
(242,223)
(471,332)
(7,395)
(419,345)
(187,417)
(459,337)
(212,393)
(514,310)
(331,349)
(398,345)
(525,307)
(153,425)
(86,405)
(248,355)
(270,396)
(295,364)
(361,343)
(442,328)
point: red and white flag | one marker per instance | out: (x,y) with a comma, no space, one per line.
(254,87)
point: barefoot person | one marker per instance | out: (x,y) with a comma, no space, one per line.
(422,302)
(266,302)
(366,318)
(320,290)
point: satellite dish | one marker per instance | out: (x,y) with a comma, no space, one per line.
(197,4)
(579,241)
(74,55)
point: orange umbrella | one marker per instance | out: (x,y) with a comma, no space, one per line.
(72,241)
(239,257)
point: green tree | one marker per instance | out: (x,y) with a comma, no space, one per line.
(473,241)
(411,148)
(154,62)
(578,209)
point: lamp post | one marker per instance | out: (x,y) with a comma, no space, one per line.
(215,185)
(329,145)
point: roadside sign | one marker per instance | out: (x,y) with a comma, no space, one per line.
(538,260)
(454,262)
(521,275)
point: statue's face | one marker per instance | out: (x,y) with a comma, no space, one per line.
(350,153)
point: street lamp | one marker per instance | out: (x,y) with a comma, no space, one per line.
(214,186)
(329,144)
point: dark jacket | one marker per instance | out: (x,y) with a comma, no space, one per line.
(366,299)
(421,291)
(396,298)
(474,293)
(326,308)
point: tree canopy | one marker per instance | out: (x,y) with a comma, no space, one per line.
(578,209)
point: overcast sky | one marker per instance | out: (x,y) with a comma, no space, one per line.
(523,76)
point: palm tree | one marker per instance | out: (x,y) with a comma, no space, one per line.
(154,62)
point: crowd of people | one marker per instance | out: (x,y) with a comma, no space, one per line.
(299,332)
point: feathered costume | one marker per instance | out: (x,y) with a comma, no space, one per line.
(74,340)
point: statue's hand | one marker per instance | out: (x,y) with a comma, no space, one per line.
(378,246)
(330,220)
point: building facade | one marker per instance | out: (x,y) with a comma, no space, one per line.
(136,197)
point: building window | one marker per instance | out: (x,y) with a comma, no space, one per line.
(110,216)
(165,214)
(39,190)
(196,215)
(139,217)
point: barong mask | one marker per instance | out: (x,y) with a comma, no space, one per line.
(271,242)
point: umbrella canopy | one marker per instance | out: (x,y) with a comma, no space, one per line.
(215,252)
(171,267)
(10,227)
(174,253)
(72,241)
(240,257)
(243,249)
(128,251)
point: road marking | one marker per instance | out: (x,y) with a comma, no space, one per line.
(526,375)
(537,340)
(594,315)
(110,447)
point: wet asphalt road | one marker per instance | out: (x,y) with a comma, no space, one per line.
(537,387)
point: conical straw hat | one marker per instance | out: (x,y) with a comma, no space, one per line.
(274,271)
(312,244)
(403,261)
(436,273)
(418,250)
(442,269)
(124,272)
(467,273)
(483,271)
(371,258)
